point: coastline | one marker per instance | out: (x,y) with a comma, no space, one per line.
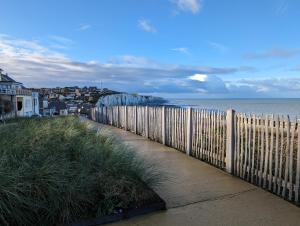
(258,106)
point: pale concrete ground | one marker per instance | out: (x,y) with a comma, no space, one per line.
(199,194)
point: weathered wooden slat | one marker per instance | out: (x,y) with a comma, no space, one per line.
(258,150)
(238,149)
(286,169)
(213,153)
(235,145)
(218,159)
(281,156)
(291,161)
(246,147)
(203,148)
(250,131)
(175,129)
(242,145)
(178,129)
(201,134)
(213,138)
(267,151)
(262,154)
(195,133)
(276,152)
(253,148)
(198,135)
(224,135)
(209,137)
(297,190)
(271,153)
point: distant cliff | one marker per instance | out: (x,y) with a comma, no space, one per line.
(129,99)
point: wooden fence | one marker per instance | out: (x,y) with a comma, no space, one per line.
(267,153)
(262,150)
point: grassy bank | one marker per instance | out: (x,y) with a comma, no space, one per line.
(56,171)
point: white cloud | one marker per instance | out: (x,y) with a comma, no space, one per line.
(83,27)
(217,46)
(277,84)
(39,66)
(60,42)
(183,50)
(61,39)
(146,25)
(281,7)
(193,6)
(134,62)
(199,77)
(274,53)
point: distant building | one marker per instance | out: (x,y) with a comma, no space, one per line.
(57,108)
(72,108)
(16,100)
(27,103)
(8,88)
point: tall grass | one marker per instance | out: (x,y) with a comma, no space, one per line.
(56,170)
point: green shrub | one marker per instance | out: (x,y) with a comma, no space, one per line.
(56,170)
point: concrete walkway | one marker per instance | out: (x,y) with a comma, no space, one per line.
(199,194)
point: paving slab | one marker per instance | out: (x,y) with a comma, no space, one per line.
(197,193)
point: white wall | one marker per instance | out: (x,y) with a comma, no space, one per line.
(35,103)
(27,106)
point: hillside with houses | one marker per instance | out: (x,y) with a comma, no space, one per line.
(18,101)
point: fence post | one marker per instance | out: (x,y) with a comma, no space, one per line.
(230,138)
(111,115)
(106,115)
(92,114)
(163,124)
(147,122)
(101,115)
(118,116)
(125,117)
(189,131)
(135,119)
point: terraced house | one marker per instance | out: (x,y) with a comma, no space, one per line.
(15,99)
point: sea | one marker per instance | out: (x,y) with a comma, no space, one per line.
(282,106)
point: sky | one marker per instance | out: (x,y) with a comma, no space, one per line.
(168,48)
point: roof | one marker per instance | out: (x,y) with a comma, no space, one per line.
(6,78)
(57,105)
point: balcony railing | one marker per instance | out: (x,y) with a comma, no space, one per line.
(6,116)
(7,91)
(23,92)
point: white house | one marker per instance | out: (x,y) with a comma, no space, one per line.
(8,88)
(16,100)
(27,103)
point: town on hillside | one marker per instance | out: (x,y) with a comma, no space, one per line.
(17,100)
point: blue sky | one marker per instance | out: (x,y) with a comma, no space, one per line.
(171,48)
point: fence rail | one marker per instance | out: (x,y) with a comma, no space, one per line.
(264,151)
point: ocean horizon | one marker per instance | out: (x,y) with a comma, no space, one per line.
(259,106)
